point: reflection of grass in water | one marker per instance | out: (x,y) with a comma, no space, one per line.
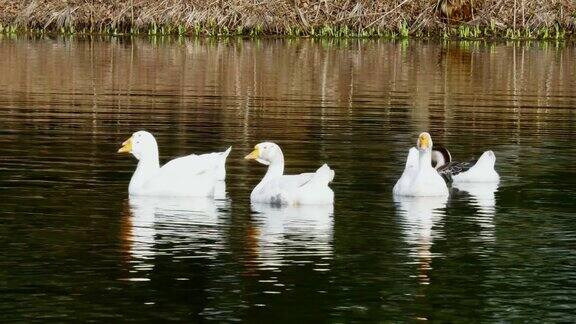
(334,19)
(306,78)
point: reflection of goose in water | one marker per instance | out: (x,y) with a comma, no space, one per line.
(482,197)
(289,234)
(419,216)
(185,225)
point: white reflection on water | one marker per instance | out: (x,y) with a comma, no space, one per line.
(483,198)
(181,227)
(286,235)
(419,215)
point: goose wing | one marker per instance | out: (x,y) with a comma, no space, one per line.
(454,168)
(187,175)
(294,181)
(322,176)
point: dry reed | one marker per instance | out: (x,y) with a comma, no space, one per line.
(345,18)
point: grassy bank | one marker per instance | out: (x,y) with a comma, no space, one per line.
(513,19)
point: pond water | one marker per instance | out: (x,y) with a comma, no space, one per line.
(75,247)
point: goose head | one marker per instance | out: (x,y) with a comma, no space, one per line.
(266,153)
(424,142)
(140,144)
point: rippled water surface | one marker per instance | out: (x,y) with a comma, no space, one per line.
(75,247)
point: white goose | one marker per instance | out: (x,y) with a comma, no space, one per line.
(192,175)
(480,170)
(279,189)
(422,180)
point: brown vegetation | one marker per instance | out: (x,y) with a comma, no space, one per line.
(454,11)
(463,18)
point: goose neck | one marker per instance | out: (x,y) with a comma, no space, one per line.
(275,169)
(148,165)
(425,159)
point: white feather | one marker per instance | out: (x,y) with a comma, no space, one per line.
(425,180)
(190,176)
(482,171)
(301,189)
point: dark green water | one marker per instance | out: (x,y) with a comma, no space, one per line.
(74,248)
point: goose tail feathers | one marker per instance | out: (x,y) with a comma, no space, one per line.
(324,175)
(221,171)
